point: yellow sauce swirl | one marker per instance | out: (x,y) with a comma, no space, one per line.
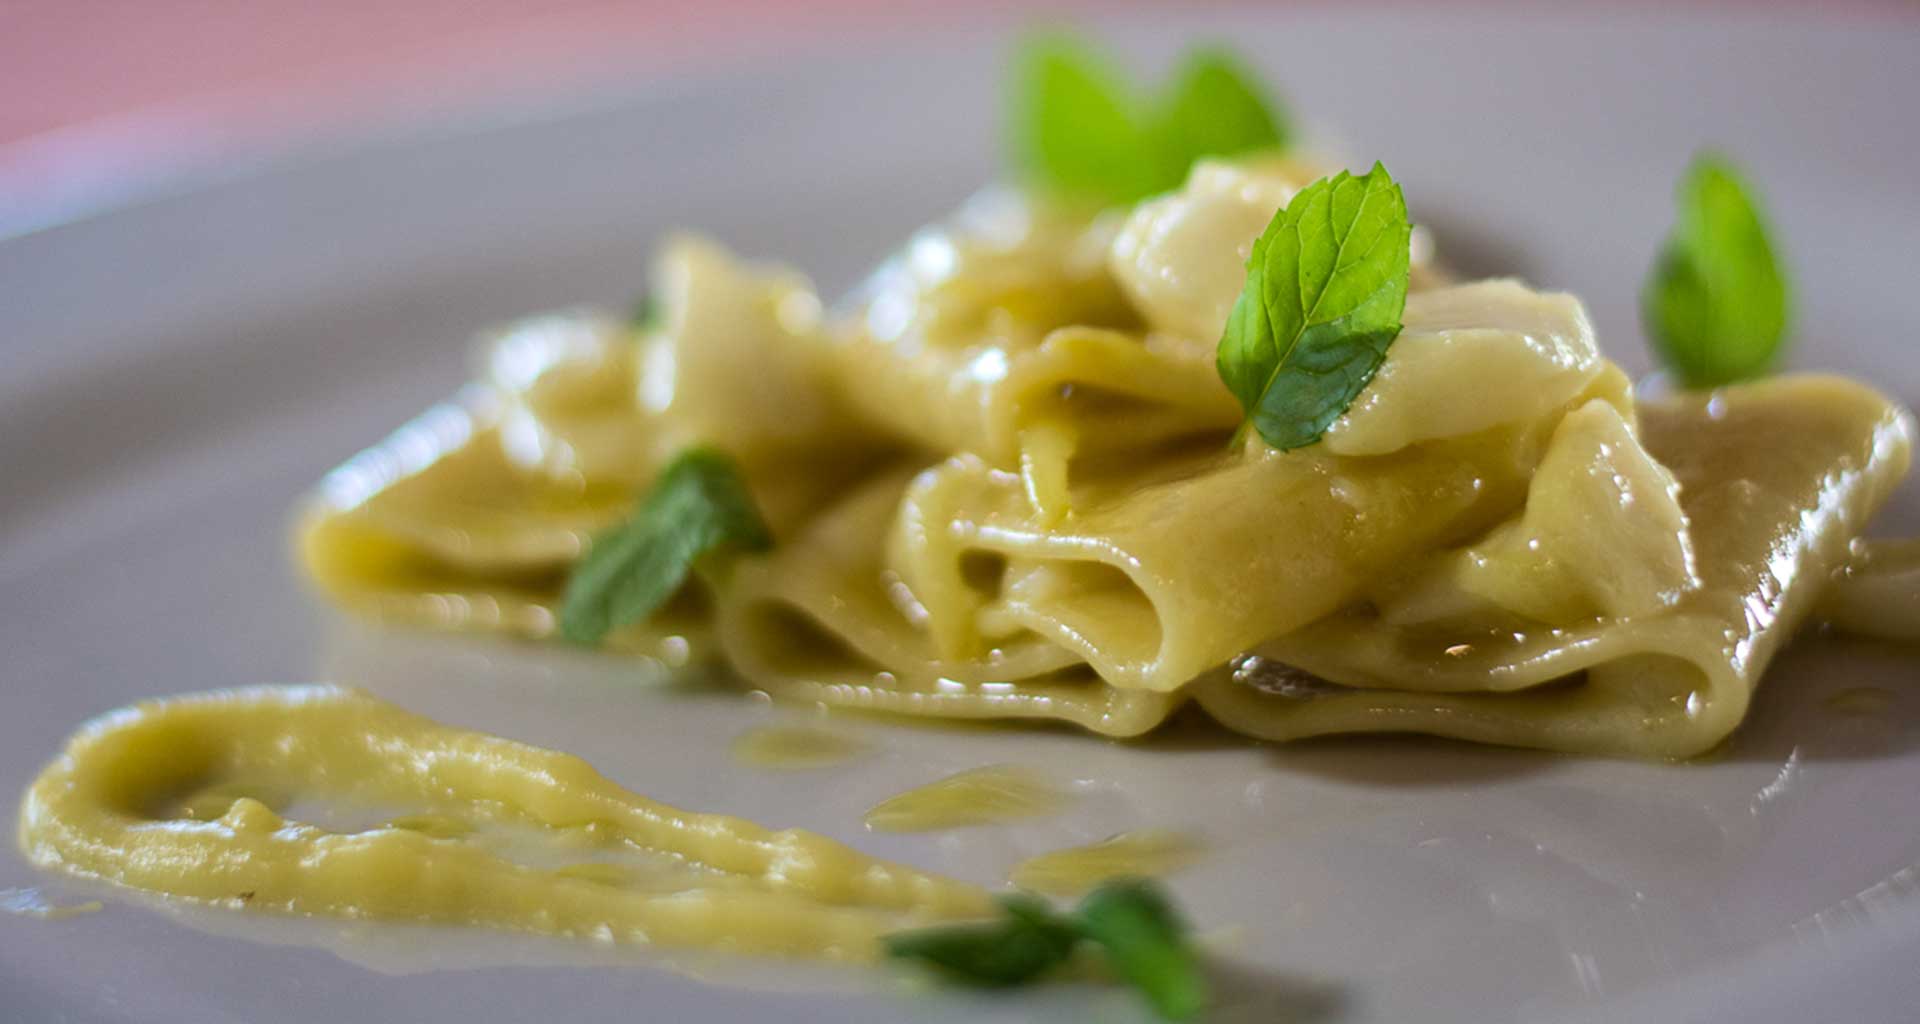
(109,807)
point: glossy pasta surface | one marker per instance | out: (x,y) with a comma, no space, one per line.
(1002,486)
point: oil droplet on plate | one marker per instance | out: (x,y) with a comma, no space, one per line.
(981,796)
(794,746)
(1861,700)
(1149,853)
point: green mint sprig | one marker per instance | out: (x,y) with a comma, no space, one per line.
(1326,286)
(1078,128)
(645,314)
(1129,920)
(1029,941)
(1716,303)
(699,506)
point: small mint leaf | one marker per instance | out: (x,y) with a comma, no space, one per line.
(1075,130)
(1017,949)
(1215,107)
(1146,941)
(1716,301)
(699,505)
(1326,285)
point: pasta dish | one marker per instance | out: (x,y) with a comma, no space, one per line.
(1000,484)
(1183,419)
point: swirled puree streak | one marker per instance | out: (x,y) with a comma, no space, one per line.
(110,808)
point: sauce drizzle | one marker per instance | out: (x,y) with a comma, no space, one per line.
(107,808)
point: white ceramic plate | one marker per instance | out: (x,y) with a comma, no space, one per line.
(178,369)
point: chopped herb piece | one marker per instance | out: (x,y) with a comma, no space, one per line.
(1326,285)
(1146,941)
(1215,109)
(645,315)
(1130,920)
(1716,302)
(1025,944)
(1079,129)
(699,506)
(1076,126)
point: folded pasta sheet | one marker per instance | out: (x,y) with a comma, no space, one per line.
(470,516)
(1774,479)
(1002,486)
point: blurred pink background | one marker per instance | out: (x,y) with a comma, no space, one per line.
(96,92)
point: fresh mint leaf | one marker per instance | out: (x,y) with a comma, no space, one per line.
(1716,303)
(1027,943)
(1129,919)
(1080,130)
(645,315)
(1326,285)
(698,506)
(1215,108)
(1075,126)
(1146,941)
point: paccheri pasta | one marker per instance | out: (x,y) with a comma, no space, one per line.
(1093,450)
(1001,484)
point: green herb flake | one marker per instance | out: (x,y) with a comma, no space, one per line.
(1130,920)
(1030,941)
(645,315)
(1326,285)
(1076,129)
(1146,941)
(699,506)
(1215,109)
(1716,302)
(1080,130)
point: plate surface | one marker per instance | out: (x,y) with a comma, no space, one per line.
(179,369)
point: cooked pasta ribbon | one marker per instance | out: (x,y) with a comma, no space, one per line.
(1002,486)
